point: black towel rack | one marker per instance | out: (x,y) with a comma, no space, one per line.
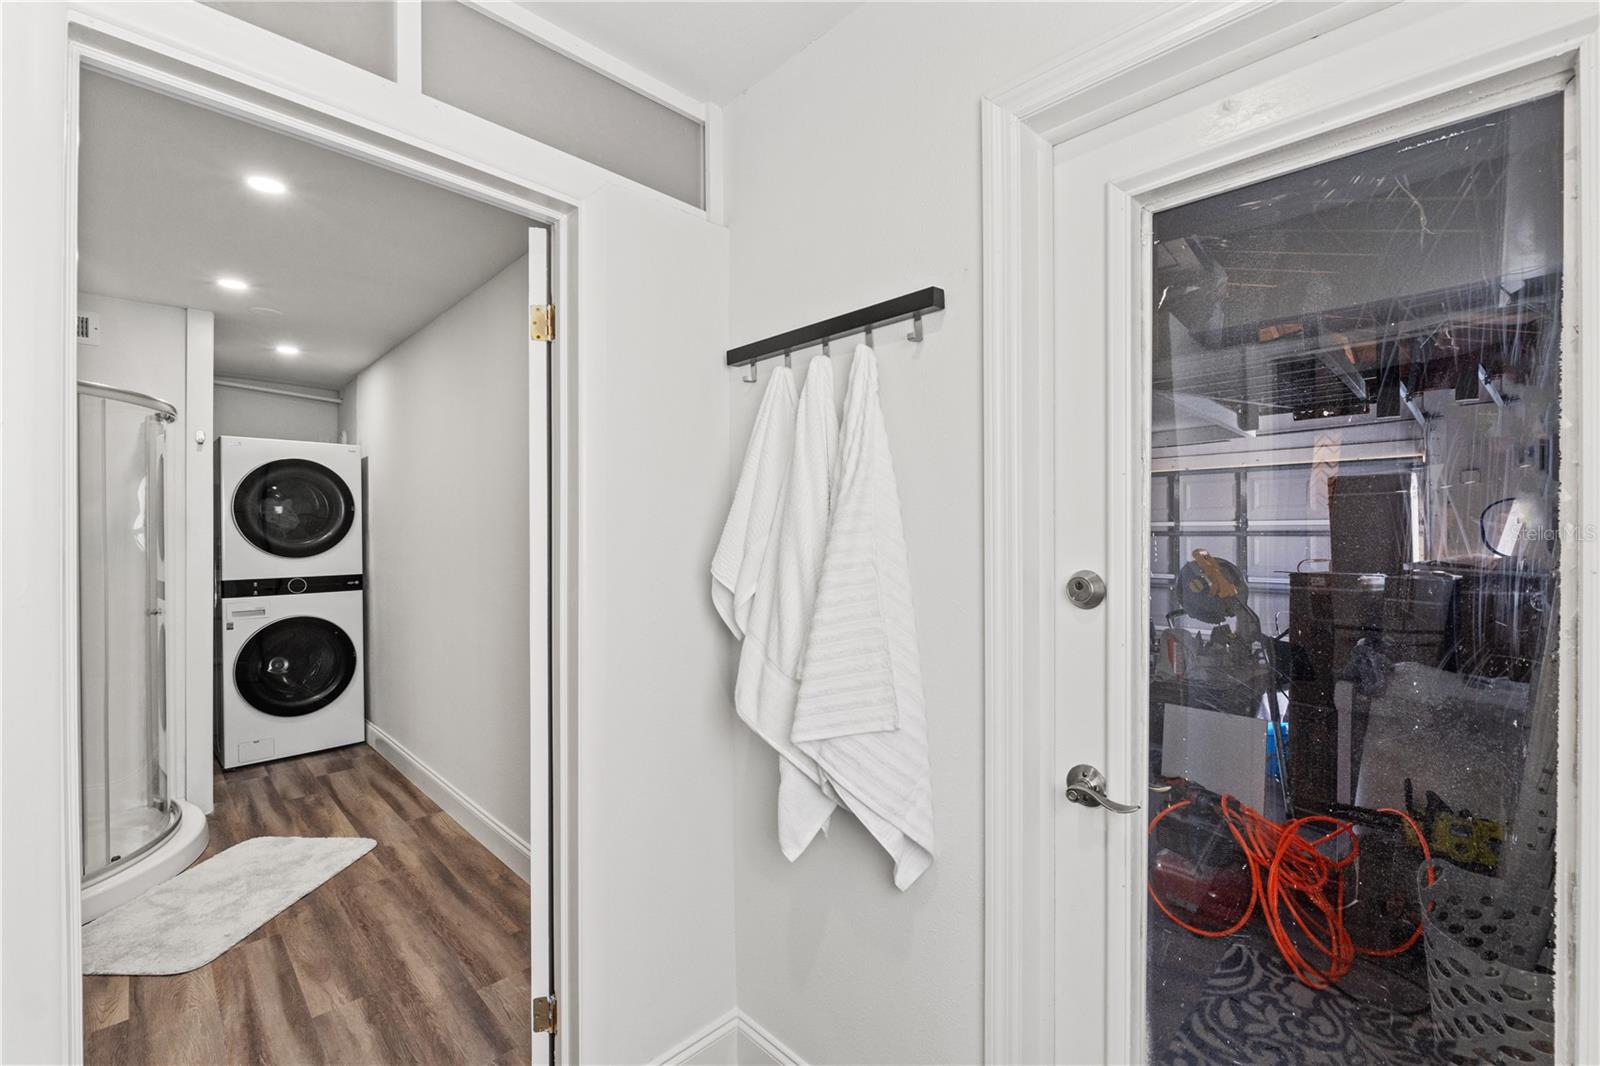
(913,305)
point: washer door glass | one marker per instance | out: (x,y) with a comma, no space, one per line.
(295,666)
(293,507)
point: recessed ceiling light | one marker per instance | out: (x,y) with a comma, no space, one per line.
(233,284)
(287,349)
(263,184)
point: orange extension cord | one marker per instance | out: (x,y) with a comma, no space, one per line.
(1295,886)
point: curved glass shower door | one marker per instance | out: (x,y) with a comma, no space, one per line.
(127,806)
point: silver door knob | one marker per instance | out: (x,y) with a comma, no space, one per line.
(1087,785)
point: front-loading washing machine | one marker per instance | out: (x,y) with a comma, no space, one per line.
(290,673)
(287,508)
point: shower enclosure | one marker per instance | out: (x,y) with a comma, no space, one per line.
(135,833)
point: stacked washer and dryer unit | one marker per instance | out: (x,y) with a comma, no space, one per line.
(289,619)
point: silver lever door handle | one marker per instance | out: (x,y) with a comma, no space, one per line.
(1087,785)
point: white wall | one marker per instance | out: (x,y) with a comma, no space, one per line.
(442,421)
(246,413)
(853,177)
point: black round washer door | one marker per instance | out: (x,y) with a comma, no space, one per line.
(293,508)
(295,666)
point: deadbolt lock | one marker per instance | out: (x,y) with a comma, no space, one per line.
(1086,589)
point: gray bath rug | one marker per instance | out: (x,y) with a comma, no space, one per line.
(184,923)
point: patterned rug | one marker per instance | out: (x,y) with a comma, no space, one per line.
(1254,1011)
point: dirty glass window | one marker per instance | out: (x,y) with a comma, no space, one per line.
(1353,544)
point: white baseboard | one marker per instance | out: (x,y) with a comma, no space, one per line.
(764,1043)
(732,1040)
(482,826)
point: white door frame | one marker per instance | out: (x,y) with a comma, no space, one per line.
(1175,50)
(218,62)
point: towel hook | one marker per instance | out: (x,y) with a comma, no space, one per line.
(825,346)
(786,362)
(869,336)
(750,374)
(916,328)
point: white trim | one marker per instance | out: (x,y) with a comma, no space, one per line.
(1019,918)
(408,44)
(1177,47)
(765,1042)
(258,64)
(564,598)
(149,76)
(1105,80)
(704,1039)
(713,138)
(199,565)
(72,696)
(275,390)
(575,48)
(482,826)
(1579,952)
(730,1026)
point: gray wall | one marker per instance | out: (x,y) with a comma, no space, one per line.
(244,413)
(854,177)
(442,421)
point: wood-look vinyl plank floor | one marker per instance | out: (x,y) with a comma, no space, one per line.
(416,953)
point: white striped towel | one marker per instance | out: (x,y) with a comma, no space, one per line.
(860,712)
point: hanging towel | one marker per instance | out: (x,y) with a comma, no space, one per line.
(860,713)
(747,535)
(780,616)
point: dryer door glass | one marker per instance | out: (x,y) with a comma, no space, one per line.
(294,508)
(295,666)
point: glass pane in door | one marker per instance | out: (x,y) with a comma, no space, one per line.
(1354,549)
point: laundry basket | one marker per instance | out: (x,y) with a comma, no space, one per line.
(1489,976)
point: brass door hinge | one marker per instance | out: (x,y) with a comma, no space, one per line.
(542,322)
(544,1014)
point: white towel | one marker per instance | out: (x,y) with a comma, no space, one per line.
(748,532)
(860,713)
(780,615)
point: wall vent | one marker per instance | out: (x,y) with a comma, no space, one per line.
(88,328)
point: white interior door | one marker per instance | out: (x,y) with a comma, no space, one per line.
(539,570)
(1314,420)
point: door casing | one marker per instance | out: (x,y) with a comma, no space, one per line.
(1481,49)
(196,55)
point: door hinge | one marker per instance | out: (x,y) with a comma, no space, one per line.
(541,322)
(544,1014)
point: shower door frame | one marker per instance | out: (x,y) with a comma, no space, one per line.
(215,61)
(1023,126)
(164,412)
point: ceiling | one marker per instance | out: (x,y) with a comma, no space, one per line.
(712,51)
(347,263)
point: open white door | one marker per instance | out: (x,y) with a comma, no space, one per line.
(540,567)
(1315,366)
(647,759)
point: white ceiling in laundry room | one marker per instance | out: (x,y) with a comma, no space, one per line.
(345,264)
(712,51)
